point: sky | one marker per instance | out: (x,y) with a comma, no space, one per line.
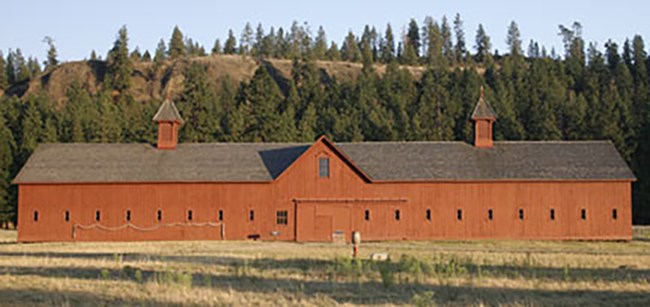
(78,27)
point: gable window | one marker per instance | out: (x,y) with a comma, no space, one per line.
(490,215)
(282,217)
(128,215)
(98,215)
(459,214)
(35,216)
(521,214)
(366,215)
(324,167)
(66,216)
(220,215)
(583,214)
(552,214)
(251,215)
(428,214)
(189,215)
(614,214)
(397,215)
(159,215)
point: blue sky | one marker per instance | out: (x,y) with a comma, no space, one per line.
(81,26)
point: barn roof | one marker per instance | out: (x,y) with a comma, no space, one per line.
(381,161)
(168,113)
(483,109)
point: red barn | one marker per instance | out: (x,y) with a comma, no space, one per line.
(324,191)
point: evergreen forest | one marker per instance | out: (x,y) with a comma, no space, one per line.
(420,84)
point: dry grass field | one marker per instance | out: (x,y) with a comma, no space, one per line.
(510,273)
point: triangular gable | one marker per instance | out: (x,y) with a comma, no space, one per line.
(339,153)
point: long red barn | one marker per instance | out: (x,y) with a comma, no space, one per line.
(324,191)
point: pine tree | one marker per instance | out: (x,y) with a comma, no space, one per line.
(333,53)
(146,56)
(434,55)
(514,40)
(7,151)
(388,46)
(232,120)
(110,129)
(30,130)
(320,47)
(434,119)
(483,46)
(216,48)
(161,53)
(52,60)
(641,98)
(197,104)
(119,66)
(350,49)
(93,55)
(136,56)
(265,98)
(4,81)
(176,44)
(230,47)
(460,49)
(447,45)
(246,41)
(413,38)
(307,124)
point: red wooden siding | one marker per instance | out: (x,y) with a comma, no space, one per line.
(319,206)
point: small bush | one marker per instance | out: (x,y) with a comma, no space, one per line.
(424,299)
(106,274)
(386,272)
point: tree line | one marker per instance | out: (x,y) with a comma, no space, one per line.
(587,93)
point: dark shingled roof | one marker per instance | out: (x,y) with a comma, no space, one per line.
(407,161)
(483,109)
(168,113)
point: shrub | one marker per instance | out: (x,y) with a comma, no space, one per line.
(424,299)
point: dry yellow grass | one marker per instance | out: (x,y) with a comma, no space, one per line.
(509,273)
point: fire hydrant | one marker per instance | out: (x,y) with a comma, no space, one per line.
(356,240)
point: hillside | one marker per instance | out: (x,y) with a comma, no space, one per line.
(150,82)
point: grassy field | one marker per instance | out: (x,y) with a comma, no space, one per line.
(510,273)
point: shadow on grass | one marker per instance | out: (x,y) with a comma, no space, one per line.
(345,291)
(35,296)
(320,266)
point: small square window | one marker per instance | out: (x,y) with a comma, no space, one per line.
(220,215)
(459,214)
(98,216)
(366,215)
(552,214)
(397,215)
(428,214)
(614,214)
(521,214)
(583,214)
(282,217)
(66,216)
(251,215)
(324,167)
(189,215)
(490,215)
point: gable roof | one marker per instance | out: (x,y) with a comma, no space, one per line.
(379,161)
(483,109)
(168,113)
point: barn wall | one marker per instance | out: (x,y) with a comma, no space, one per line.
(318,206)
